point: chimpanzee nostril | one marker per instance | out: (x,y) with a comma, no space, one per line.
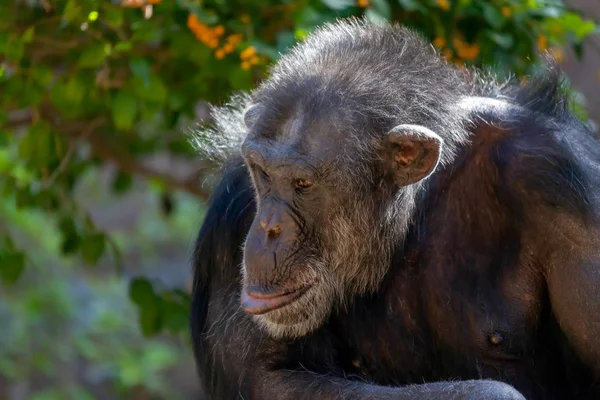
(274,232)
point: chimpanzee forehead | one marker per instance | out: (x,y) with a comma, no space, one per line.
(320,132)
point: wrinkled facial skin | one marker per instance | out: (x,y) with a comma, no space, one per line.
(330,210)
(287,284)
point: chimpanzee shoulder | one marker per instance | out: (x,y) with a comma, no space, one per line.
(543,154)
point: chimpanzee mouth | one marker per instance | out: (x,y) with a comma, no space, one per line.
(257,303)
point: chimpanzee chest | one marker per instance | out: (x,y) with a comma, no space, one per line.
(438,323)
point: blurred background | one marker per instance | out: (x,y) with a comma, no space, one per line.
(101,195)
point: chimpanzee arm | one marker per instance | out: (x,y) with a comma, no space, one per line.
(240,363)
(573,276)
(294,385)
(236,360)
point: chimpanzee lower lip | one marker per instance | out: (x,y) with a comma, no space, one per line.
(258,306)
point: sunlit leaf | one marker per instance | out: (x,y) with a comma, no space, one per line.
(93,56)
(124,110)
(28,35)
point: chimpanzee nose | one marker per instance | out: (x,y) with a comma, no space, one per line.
(257,300)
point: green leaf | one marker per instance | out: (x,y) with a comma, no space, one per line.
(373,16)
(581,28)
(41,74)
(177,100)
(47,200)
(71,11)
(122,182)
(13,48)
(339,4)
(155,91)
(4,139)
(124,110)
(93,56)
(28,35)
(141,69)
(36,147)
(492,15)
(70,237)
(285,40)
(504,40)
(75,90)
(383,8)
(24,198)
(92,247)
(12,264)
(113,15)
(411,5)
(68,96)
(150,318)
(141,291)
(175,316)
(123,46)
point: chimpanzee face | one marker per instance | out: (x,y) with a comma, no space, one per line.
(328,207)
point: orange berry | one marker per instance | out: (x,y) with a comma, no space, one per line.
(443,4)
(362,3)
(192,20)
(558,54)
(219,30)
(542,42)
(245,18)
(248,53)
(228,48)
(439,42)
(506,11)
(458,43)
(220,54)
(236,38)
(254,60)
(246,65)
(469,52)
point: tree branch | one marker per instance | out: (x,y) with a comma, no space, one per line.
(129,165)
(64,163)
(110,153)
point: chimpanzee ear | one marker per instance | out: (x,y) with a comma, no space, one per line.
(412,152)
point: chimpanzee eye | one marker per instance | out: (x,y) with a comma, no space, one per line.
(302,183)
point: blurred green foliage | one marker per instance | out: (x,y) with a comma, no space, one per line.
(87,83)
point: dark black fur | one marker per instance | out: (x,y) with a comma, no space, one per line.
(469,271)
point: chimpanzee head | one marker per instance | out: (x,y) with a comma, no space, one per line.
(339,140)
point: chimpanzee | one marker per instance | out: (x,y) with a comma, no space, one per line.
(389,226)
